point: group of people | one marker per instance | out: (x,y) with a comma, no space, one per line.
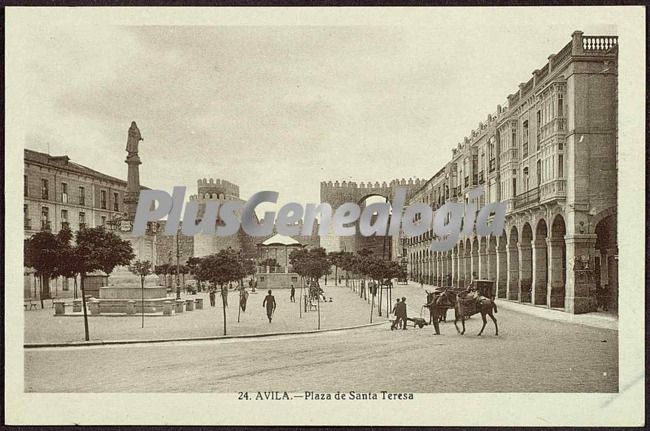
(399,310)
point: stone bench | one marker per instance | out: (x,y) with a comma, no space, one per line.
(199,303)
(59,308)
(179,305)
(167,308)
(189,305)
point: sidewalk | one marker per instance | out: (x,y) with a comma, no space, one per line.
(595,319)
(416,297)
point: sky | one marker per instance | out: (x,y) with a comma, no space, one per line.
(278,107)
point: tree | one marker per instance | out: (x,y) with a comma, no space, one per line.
(311,264)
(220,269)
(47,254)
(99,249)
(141,268)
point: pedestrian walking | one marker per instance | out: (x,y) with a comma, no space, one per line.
(269,303)
(293,294)
(394,313)
(212,296)
(401,312)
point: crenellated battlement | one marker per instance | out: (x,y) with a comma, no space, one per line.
(213,188)
(369,185)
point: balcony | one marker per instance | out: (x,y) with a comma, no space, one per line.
(529,198)
(556,126)
(552,190)
(28,223)
(45,225)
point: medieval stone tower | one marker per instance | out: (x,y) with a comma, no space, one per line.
(221,191)
(336,194)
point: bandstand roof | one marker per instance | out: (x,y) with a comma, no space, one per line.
(278,239)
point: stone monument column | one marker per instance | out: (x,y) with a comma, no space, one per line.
(133,178)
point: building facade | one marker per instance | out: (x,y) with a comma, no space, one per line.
(551,156)
(58,192)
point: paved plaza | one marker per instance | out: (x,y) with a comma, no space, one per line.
(531,354)
(346,309)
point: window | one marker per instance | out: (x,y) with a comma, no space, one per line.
(64,219)
(539,172)
(525,140)
(513,144)
(45,191)
(103,220)
(102,199)
(560,167)
(539,128)
(82,220)
(64,193)
(28,224)
(525,179)
(45,218)
(560,105)
(25,187)
(116,203)
(82,196)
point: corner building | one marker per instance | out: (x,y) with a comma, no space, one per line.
(551,155)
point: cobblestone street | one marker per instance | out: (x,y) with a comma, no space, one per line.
(531,354)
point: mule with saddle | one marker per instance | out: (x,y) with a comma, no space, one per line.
(465,303)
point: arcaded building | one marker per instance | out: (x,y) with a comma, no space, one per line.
(551,155)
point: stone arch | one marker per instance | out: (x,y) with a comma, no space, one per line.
(501,272)
(460,263)
(483,258)
(606,259)
(474,274)
(512,252)
(557,262)
(468,261)
(540,263)
(526,263)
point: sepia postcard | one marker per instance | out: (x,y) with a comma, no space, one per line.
(325,216)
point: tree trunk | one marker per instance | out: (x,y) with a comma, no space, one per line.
(372,305)
(380,297)
(318,302)
(41,291)
(336,275)
(83,305)
(142,302)
(223,303)
(75,287)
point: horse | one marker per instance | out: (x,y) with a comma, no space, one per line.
(462,302)
(437,306)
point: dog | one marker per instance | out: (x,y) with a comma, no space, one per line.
(418,321)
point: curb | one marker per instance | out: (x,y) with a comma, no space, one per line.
(559,315)
(213,338)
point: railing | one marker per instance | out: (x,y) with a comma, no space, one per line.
(554,189)
(45,225)
(553,127)
(599,43)
(531,197)
(28,223)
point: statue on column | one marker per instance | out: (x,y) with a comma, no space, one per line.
(133,140)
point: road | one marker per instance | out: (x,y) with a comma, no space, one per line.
(531,354)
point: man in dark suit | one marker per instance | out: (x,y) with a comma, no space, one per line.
(269,303)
